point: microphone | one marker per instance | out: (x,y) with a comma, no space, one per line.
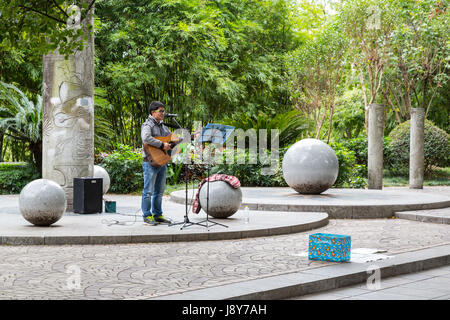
(171,115)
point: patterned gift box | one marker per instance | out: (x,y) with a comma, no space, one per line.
(329,247)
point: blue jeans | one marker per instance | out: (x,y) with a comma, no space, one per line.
(154,185)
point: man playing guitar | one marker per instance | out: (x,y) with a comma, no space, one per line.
(154,177)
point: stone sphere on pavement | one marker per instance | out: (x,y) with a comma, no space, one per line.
(310,166)
(100,172)
(42,202)
(224,200)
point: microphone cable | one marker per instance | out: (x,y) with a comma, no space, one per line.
(114,222)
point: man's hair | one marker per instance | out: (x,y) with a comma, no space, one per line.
(155,105)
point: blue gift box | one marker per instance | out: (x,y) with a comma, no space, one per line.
(329,247)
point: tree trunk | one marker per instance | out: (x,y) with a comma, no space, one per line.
(1,146)
(36,150)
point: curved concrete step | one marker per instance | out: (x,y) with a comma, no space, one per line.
(433,216)
(338,203)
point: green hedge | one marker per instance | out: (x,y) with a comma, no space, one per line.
(124,167)
(436,148)
(351,173)
(16,175)
(250,175)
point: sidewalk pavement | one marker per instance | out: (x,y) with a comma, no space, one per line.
(433,284)
(165,269)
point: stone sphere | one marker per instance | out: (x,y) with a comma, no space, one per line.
(224,200)
(310,166)
(42,202)
(100,172)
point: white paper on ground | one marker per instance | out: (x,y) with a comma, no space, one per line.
(358,255)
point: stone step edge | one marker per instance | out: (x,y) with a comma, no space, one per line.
(335,211)
(154,238)
(418,216)
(320,279)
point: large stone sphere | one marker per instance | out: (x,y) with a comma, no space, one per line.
(224,200)
(310,166)
(42,202)
(100,172)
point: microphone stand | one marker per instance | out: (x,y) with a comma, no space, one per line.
(186,223)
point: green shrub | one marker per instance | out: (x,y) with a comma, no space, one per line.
(250,175)
(351,174)
(436,148)
(124,167)
(359,146)
(15,176)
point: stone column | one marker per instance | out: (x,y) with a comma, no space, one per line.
(416,148)
(375,152)
(68,114)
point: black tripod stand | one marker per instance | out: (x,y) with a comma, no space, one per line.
(213,133)
(186,223)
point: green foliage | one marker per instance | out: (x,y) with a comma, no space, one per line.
(15,176)
(436,147)
(315,72)
(202,59)
(358,146)
(348,118)
(291,125)
(124,167)
(368,26)
(419,58)
(43,24)
(250,175)
(351,174)
(21,119)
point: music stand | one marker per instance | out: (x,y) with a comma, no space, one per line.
(217,134)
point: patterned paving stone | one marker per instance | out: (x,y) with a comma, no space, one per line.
(142,271)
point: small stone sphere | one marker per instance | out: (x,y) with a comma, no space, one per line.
(42,202)
(310,166)
(100,172)
(224,200)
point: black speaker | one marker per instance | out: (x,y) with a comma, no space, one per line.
(87,195)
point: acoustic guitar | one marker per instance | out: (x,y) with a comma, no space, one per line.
(158,157)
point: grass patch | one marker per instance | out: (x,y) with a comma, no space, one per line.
(439,177)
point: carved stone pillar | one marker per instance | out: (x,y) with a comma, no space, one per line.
(68,114)
(416,148)
(375,147)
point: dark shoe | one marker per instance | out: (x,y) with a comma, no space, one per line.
(161,219)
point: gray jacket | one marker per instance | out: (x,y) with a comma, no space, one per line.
(150,129)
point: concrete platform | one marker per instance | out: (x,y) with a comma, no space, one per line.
(320,279)
(433,216)
(338,203)
(128,227)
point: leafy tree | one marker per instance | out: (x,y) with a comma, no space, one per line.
(43,24)
(349,115)
(202,59)
(21,119)
(368,24)
(316,69)
(291,125)
(420,57)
